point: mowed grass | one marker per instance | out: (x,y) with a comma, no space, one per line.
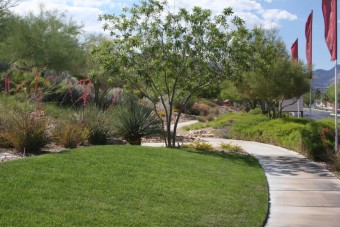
(132,186)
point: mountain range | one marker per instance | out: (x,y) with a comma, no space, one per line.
(322,79)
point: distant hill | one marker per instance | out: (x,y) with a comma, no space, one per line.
(322,79)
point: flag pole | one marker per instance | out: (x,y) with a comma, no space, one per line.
(310,100)
(298,102)
(336,77)
(311,68)
(336,142)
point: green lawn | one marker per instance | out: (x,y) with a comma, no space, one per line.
(128,185)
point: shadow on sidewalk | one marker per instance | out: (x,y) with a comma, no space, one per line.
(290,166)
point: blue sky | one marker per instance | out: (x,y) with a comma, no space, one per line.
(289,16)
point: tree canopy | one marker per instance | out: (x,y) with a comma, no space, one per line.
(271,77)
(166,55)
(43,40)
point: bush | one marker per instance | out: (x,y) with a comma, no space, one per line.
(245,127)
(99,125)
(301,135)
(70,133)
(200,109)
(335,159)
(231,147)
(199,145)
(255,111)
(56,111)
(313,144)
(201,119)
(134,120)
(24,130)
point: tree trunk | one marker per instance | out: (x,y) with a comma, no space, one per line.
(264,107)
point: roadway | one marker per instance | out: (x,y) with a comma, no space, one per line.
(317,114)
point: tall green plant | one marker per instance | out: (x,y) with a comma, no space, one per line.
(99,125)
(24,130)
(70,133)
(134,121)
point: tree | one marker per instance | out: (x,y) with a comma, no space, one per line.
(102,68)
(166,55)
(329,94)
(5,5)
(272,76)
(47,40)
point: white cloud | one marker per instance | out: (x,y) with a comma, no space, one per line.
(276,14)
(249,10)
(84,12)
(87,11)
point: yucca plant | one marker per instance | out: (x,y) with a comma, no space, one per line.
(24,130)
(134,120)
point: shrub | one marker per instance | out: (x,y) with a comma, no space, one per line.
(336,162)
(231,147)
(70,133)
(24,130)
(134,120)
(200,109)
(255,111)
(66,93)
(202,119)
(210,118)
(200,146)
(245,127)
(312,144)
(56,111)
(214,111)
(207,102)
(99,125)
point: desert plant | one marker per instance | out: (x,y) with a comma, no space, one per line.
(202,119)
(70,133)
(200,109)
(231,147)
(199,145)
(134,120)
(98,124)
(336,162)
(24,130)
(210,118)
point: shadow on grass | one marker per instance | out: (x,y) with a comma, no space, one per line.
(233,157)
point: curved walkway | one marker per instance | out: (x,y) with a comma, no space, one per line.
(300,192)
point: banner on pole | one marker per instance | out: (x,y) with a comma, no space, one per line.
(329,9)
(295,51)
(309,43)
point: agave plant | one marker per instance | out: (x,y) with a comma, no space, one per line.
(134,120)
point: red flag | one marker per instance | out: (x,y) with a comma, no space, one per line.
(295,51)
(309,42)
(329,9)
(309,39)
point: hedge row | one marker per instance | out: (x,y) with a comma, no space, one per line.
(314,139)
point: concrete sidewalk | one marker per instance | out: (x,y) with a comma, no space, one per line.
(301,193)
